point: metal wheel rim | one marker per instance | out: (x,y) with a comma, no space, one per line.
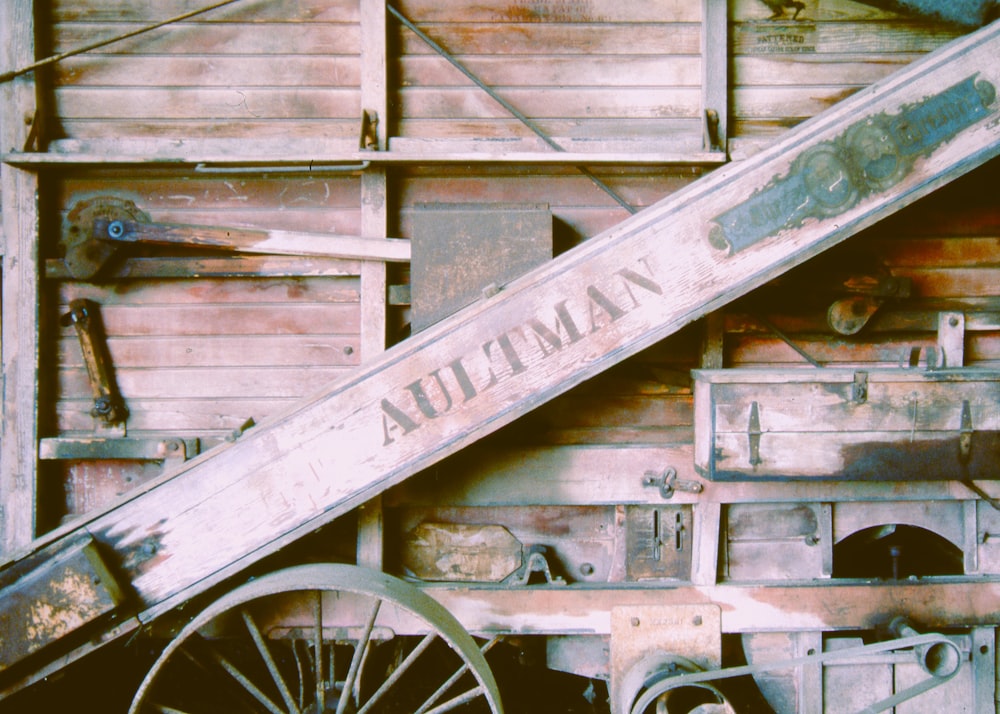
(333,577)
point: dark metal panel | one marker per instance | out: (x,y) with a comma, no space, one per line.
(461,250)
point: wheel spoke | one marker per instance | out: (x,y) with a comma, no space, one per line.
(318,651)
(399,671)
(453,679)
(458,701)
(272,667)
(233,671)
(359,654)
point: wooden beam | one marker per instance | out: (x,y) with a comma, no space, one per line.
(559,325)
(715,75)
(19,340)
(270,242)
(374,226)
(823,606)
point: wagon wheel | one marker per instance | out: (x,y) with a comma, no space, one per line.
(304,641)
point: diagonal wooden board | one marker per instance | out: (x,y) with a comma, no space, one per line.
(559,325)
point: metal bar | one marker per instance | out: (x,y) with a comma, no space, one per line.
(7,76)
(788,341)
(514,111)
(397,674)
(359,654)
(454,678)
(272,667)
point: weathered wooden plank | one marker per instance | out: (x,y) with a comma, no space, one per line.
(255,266)
(776,38)
(334,131)
(851,69)
(552,102)
(561,324)
(222,351)
(19,339)
(208,71)
(224,195)
(197,417)
(286,291)
(750,608)
(220,39)
(142,12)
(273,242)
(558,39)
(620,70)
(182,383)
(273,319)
(547,11)
(232,103)
(46,599)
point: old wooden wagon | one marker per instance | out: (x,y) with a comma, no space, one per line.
(515,355)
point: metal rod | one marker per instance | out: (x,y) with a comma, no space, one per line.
(398,673)
(514,111)
(788,341)
(205,168)
(272,667)
(359,653)
(7,76)
(454,678)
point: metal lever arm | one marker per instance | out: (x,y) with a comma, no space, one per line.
(108,402)
(249,240)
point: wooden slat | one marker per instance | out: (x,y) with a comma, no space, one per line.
(201,291)
(207,71)
(142,12)
(192,416)
(751,608)
(600,303)
(232,382)
(19,339)
(232,103)
(559,39)
(843,37)
(309,38)
(302,352)
(617,70)
(539,11)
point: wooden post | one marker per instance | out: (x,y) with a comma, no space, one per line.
(374,224)
(19,341)
(715,74)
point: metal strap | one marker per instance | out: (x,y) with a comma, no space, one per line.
(651,694)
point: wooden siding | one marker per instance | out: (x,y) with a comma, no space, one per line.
(267,70)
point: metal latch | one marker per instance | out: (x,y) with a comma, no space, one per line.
(753,434)
(668,483)
(965,432)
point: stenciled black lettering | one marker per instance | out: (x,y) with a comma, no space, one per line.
(604,303)
(550,340)
(402,421)
(462,377)
(639,280)
(423,400)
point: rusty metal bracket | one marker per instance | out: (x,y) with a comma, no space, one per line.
(369,130)
(753,434)
(128,448)
(859,388)
(668,483)
(85,317)
(535,562)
